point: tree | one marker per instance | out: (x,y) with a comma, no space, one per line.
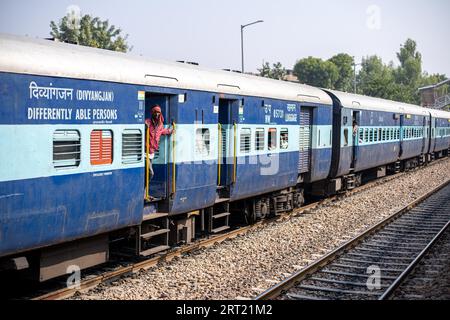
(277,71)
(316,72)
(410,70)
(344,64)
(91,32)
(376,79)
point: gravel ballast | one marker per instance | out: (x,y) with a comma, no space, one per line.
(245,266)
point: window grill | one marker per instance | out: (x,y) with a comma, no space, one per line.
(259,139)
(202,142)
(245,140)
(66,149)
(272,139)
(224,142)
(131,146)
(284,138)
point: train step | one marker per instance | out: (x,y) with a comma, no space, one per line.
(152,200)
(221,215)
(220,229)
(154,250)
(149,235)
(152,216)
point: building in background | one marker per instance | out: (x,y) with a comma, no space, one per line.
(436,96)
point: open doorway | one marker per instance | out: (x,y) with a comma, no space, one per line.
(156,185)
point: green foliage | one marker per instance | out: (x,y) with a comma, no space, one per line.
(277,71)
(375,78)
(335,73)
(344,64)
(316,72)
(91,32)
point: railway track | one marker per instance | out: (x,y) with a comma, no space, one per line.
(111,274)
(373,264)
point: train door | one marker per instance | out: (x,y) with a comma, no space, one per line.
(432,134)
(305,140)
(156,186)
(425,143)
(402,118)
(225,156)
(354,136)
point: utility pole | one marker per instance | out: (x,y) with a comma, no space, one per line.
(354,74)
(242,41)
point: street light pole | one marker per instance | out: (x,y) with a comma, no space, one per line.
(354,74)
(242,41)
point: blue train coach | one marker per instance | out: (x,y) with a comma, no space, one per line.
(74,179)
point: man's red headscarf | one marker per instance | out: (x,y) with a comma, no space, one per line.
(156,108)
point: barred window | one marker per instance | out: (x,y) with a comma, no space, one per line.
(101,147)
(259,139)
(284,138)
(202,142)
(131,146)
(272,138)
(245,140)
(361,135)
(66,149)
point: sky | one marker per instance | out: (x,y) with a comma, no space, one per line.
(208,31)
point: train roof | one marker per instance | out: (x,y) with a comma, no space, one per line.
(440,114)
(357,101)
(43,57)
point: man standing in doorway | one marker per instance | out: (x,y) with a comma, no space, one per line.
(155,125)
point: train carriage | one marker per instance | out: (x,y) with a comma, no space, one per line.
(440,133)
(74,173)
(373,136)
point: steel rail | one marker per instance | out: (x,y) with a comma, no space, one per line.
(389,292)
(302,274)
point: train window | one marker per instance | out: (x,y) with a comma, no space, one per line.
(66,149)
(101,147)
(131,146)
(259,139)
(380,134)
(272,139)
(361,135)
(375,135)
(245,140)
(202,142)
(284,138)
(371,135)
(345,137)
(383,134)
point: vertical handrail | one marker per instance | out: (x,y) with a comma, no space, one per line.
(173,159)
(220,154)
(234,152)
(147,165)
